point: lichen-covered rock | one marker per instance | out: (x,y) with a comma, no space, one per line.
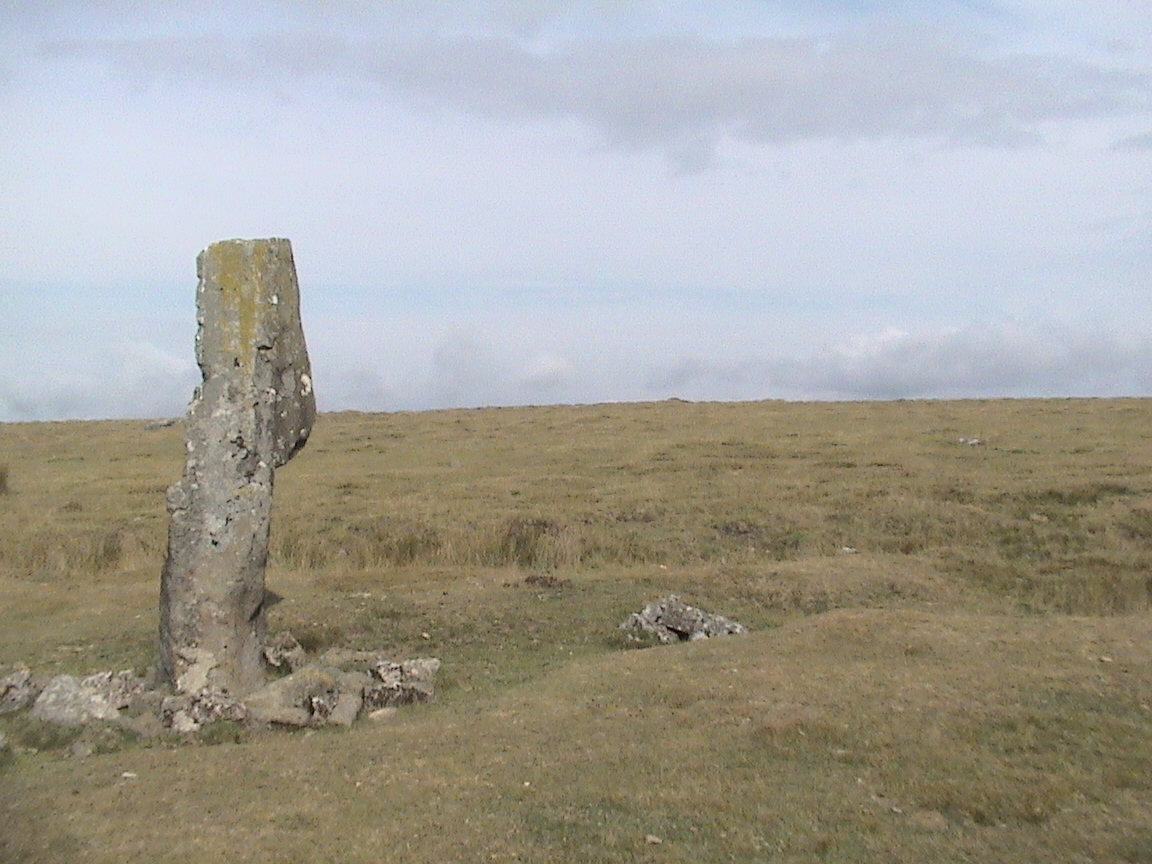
(313,696)
(401,683)
(252,412)
(119,688)
(187,712)
(351,701)
(68,701)
(18,690)
(672,620)
(282,651)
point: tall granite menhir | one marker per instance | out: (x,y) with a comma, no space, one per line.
(252,412)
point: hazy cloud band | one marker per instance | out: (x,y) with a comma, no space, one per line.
(682,94)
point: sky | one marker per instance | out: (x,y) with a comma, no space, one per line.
(544,202)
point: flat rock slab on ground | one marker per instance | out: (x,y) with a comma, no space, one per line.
(71,701)
(313,696)
(335,690)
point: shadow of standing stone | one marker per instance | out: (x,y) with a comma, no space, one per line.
(253,411)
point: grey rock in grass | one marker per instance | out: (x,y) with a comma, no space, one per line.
(252,412)
(283,651)
(401,683)
(71,701)
(18,690)
(187,712)
(672,620)
(313,696)
(351,701)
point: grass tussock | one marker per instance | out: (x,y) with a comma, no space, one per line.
(949,657)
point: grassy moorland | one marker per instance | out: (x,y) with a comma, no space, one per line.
(971,682)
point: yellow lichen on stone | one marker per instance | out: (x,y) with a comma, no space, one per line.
(246,297)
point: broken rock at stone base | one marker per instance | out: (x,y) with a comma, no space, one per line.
(672,620)
(283,651)
(18,690)
(69,701)
(333,692)
(390,682)
(187,712)
(401,683)
(313,696)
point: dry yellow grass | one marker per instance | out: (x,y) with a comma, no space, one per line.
(972,684)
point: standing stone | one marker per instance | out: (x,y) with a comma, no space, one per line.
(252,412)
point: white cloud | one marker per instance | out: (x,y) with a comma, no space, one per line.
(384,361)
(975,361)
(1142,141)
(572,201)
(466,371)
(149,359)
(680,95)
(547,372)
(140,382)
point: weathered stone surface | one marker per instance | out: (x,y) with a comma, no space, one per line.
(119,688)
(187,712)
(349,659)
(673,620)
(17,690)
(284,652)
(73,702)
(351,701)
(314,696)
(403,683)
(252,412)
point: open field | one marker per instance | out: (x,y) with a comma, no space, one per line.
(972,683)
